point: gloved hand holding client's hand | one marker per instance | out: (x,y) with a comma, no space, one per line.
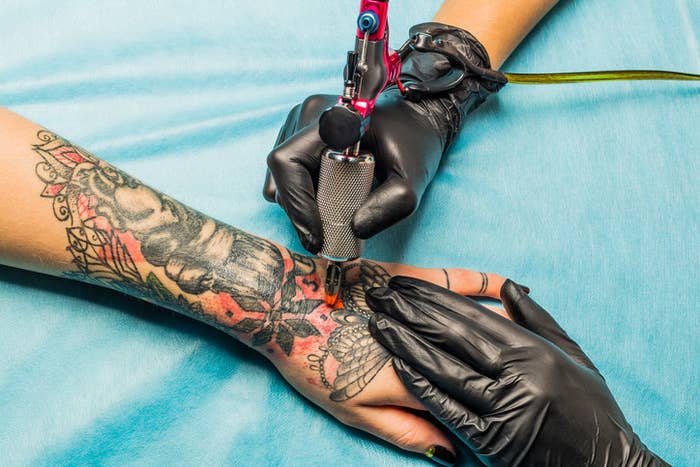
(406,138)
(518,392)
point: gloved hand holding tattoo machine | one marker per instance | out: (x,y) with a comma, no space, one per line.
(328,152)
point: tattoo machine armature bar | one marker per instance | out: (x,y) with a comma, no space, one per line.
(347,171)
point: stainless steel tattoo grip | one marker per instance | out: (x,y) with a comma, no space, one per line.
(344,182)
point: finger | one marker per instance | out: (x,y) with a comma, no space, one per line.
(313,107)
(287,130)
(391,202)
(293,165)
(446,371)
(466,339)
(498,310)
(527,313)
(406,430)
(458,418)
(457,313)
(269,188)
(461,281)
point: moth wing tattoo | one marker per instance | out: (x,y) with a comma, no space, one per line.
(359,355)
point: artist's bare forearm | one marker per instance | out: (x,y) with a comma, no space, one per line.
(498,24)
(66,212)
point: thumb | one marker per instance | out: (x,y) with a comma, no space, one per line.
(406,430)
(394,200)
(529,314)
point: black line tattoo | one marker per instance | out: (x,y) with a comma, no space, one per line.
(484,283)
(447,279)
(102,205)
(360,357)
(127,236)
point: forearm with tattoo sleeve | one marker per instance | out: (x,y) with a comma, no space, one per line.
(65,212)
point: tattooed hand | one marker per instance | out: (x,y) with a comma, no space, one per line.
(122,234)
(358,385)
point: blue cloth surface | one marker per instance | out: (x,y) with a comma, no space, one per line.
(589,194)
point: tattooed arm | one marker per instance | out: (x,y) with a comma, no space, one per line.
(65,212)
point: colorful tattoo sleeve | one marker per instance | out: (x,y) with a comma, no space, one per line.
(124,235)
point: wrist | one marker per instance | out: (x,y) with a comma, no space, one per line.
(443,54)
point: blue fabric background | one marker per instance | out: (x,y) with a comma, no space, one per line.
(588,194)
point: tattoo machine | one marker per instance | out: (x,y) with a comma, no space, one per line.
(347,172)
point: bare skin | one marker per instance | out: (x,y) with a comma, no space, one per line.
(500,25)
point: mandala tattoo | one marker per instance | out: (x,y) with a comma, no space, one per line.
(126,236)
(360,357)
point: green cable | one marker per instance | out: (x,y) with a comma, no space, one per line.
(590,76)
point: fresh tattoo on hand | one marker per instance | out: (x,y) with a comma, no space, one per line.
(357,355)
(117,228)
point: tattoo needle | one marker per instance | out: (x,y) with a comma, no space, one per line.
(332,288)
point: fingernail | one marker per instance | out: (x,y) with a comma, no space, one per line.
(440,455)
(525,288)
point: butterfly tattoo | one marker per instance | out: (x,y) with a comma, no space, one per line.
(358,355)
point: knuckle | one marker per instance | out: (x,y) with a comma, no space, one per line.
(293,110)
(276,160)
(269,193)
(550,361)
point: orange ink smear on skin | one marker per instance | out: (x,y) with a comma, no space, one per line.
(331,300)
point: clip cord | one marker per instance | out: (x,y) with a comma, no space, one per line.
(592,76)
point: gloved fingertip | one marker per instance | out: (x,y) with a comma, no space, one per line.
(512,291)
(403,370)
(387,205)
(511,294)
(362,226)
(377,323)
(311,243)
(375,296)
(381,323)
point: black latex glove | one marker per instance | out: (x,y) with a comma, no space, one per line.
(516,393)
(406,138)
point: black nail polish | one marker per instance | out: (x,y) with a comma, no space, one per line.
(441,455)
